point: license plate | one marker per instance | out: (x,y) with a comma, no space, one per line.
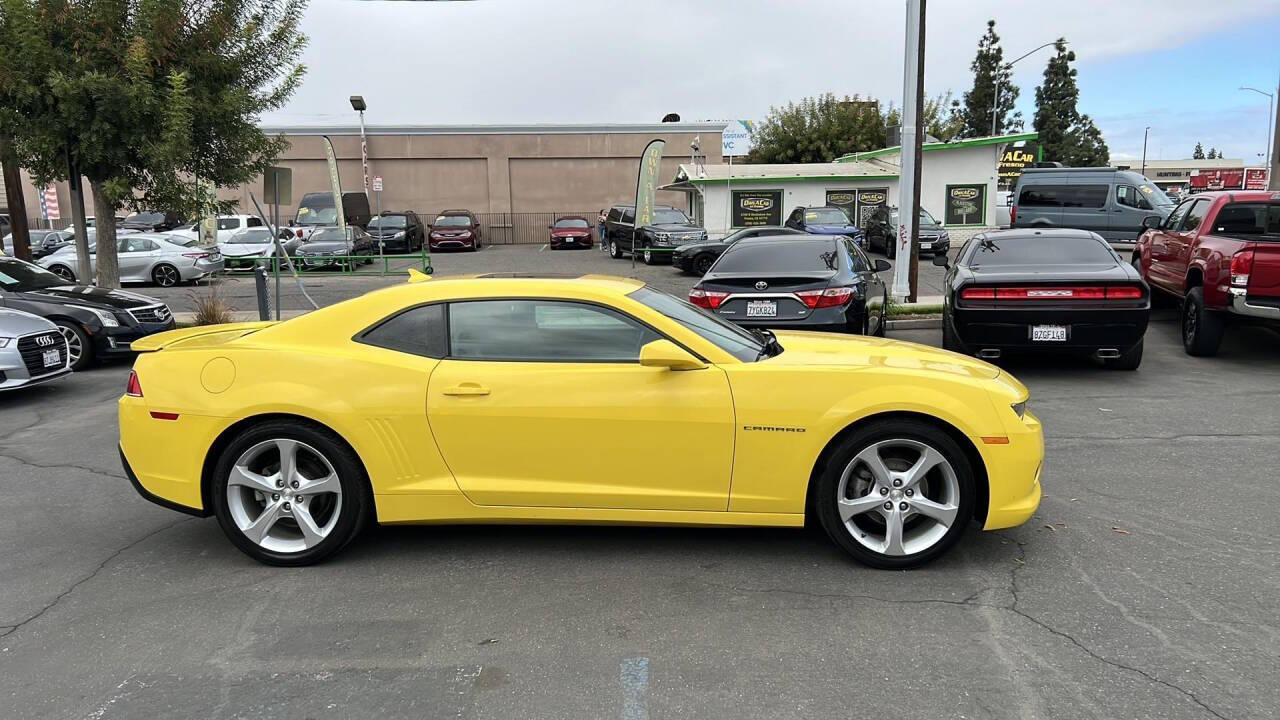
(52,357)
(762,308)
(926,245)
(1049,333)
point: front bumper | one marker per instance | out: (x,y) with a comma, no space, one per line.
(1088,329)
(115,341)
(1013,473)
(14,372)
(577,241)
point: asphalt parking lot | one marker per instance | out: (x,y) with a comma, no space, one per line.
(329,286)
(1144,587)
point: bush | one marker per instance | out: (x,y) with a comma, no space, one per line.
(210,308)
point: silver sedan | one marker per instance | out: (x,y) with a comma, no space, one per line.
(145,257)
(32,350)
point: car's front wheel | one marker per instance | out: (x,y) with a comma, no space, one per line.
(63,272)
(649,257)
(288,493)
(165,275)
(703,263)
(896,494)
(79,347)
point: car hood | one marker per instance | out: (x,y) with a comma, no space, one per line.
(690,248)
(237,249)
(16,322)
(90,296)
(859,351)
(322,246)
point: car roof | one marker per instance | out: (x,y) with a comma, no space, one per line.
(1029,233)
(455,212)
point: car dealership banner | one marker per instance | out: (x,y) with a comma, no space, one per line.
(753,208)
(1217,179)
(1255,179)
(335,184)
(966,204)
(647,181)
(1015,158)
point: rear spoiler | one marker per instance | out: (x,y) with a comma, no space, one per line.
(210,334)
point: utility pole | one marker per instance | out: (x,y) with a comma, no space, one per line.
(1274,182)
(1145,133)
(1266,159)
(995,104)
(909,178)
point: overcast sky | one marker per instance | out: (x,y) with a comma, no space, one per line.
(1173,65)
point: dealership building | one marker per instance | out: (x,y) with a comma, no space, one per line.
(958,182)
(1183,176)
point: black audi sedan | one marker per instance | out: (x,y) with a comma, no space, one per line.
(98,323)
(698,257)
(1046,290)
(822,283)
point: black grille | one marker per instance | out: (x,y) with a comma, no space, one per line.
(152,314)
(33,347)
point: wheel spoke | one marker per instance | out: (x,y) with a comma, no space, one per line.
(875,463)
(326,484)
(258,529)
(311,533)
(241,475)
(288,460)
(945,514)
(929,459)
(893,533)
(857,506)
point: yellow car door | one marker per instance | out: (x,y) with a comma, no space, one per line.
(544,403)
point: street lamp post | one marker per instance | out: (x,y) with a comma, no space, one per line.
(995,106)
(1145,133)
(1270,115)
(357,104)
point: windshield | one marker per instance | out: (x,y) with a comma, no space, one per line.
(572,223)
(826,216)
(252,236)
(316,216)
(17,276)
(724,335)
(997,251)
(778,257)
(389,222)
(329,235)
(1155,195)
(669,216)
(453,221)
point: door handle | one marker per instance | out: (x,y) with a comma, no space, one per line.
(466,389)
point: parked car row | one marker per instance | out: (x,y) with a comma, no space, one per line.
(165,260)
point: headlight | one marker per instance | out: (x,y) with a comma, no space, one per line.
(1020,409)
(398,235)
(108,319)
(4,342)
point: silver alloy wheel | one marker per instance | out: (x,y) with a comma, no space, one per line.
(63,272)
(284,495)
(165,275)
(898,497)
(74,348)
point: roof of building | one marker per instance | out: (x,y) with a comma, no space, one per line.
(722,173)
(531,129)
(1189,164)
(957,145)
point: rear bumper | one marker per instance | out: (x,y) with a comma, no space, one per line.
(1088,329)
(151,497)
(1240,305)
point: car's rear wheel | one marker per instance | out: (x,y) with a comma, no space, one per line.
(896,494)
(287,493)
(165,275)
(1201,328)
(79,347)
(703,263)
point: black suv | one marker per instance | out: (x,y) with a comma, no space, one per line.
(398,231)
(653,243)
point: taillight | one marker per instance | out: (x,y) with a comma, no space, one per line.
(831,297)
(1013,214)
(299,233)
(196,256)
(1118,292)
(1241,266)
(133,388)
(709,299)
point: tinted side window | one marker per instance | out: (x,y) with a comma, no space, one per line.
(1086,196)
(1175,217)
(1042,196)
(1194,215)
(615,214)
(857,261)
(253,222)
(544,331)
(417,331)
(629,215)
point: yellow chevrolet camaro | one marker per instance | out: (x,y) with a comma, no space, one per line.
(524,399)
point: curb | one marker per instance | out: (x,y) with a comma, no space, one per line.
(924,323)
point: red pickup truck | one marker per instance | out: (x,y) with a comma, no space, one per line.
(1219,253)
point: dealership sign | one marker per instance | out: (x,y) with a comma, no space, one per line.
(735,140)
(966,205)
(753,208)
(1255,179)
(1015,158)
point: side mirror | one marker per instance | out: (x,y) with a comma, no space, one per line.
(881,265)
(666,354)
(941,261)
(1151,222)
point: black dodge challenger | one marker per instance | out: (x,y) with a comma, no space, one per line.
(1044,290)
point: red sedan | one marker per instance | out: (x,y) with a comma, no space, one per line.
(570,232)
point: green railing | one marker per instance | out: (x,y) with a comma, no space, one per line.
(381,265)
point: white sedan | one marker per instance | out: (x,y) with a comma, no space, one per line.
(145,257)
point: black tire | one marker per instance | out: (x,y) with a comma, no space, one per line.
(1128,360)
(353,511)
(826,496)
(63,271)
(702,263)
(75,335)
(884,319)
(165,275)
(648,256)
(949,339)
(615,252)
(1201,328)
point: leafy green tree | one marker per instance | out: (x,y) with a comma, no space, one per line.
(1213,154)
(989,68)
(1198,153)
(146,97)
(818,129)
(1065,135)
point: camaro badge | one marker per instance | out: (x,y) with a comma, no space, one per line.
(772,428)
